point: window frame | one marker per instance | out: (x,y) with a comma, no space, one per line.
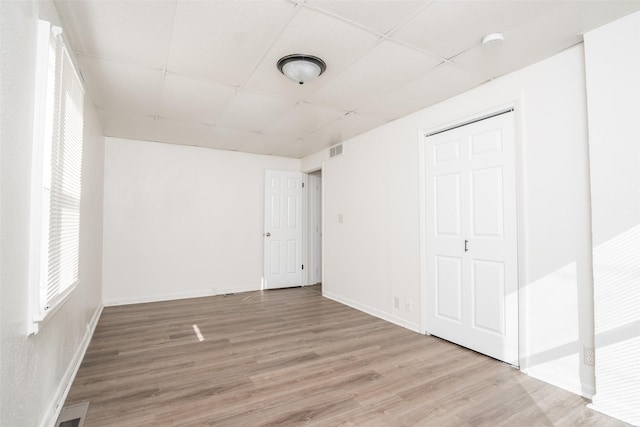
(49,112)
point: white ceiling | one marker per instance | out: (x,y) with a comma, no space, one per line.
(204,72)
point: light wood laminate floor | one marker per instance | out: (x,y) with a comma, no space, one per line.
(288,357)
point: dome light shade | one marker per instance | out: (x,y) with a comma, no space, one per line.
(493,39)
(301,68)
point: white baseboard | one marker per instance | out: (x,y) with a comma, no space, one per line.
(62,392)
(177,296)
(374,312)
(564,382)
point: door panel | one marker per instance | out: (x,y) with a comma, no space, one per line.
(275,257)
(486,142)
(488,296)
(487,205)
(471,242)
(449,150)
(449,288)
(283,229)
(447,205)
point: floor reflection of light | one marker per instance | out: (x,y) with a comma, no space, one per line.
(198,333)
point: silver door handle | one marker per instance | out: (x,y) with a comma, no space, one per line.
(268,234)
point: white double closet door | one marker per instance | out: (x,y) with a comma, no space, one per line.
(471,242)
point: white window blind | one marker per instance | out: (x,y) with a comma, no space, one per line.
(58,141)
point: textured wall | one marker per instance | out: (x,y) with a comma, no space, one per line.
(34,370)
(613,88)
(373,255)
(182,221)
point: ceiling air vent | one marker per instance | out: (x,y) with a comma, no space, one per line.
(336,150)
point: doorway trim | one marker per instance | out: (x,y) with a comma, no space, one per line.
(307,225)
(422,134)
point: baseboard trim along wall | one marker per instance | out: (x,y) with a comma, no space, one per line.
(556,378)
(53,411)
(177,296)
(374,312)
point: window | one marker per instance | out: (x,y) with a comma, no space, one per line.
(56,177)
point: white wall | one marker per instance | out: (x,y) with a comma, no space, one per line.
(373,256)
(314,161)
(613,88)
(35,370)
(182,221)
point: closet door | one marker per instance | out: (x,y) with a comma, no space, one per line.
(471,241)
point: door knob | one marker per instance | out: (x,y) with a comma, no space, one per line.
(268,234)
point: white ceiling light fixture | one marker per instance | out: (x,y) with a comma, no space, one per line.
(301,68)
(493,39)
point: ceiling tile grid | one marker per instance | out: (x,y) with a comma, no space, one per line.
(310,32)
(304,119)
(384,68)
(252,111)
(120,86)
(440,83)
(204,72)
(134,31)
(198,101)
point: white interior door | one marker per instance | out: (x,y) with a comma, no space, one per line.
(282,229)
(471,242)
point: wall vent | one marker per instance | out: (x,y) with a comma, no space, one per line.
(73,416)
(336,150)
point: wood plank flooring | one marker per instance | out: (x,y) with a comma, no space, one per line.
(292,357)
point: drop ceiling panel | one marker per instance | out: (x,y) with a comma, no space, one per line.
(129,126)
(193,100)
(584,16)
(345,127)
(303,120)
(379,16)
(226,139)
(136,31)
(223,40)
(296,150)
(439,84)
(177,132)
(163,70)
(272,144)
(563,27)
(385,68)
(448,28)
(121,87)
(253,112)
(336,42)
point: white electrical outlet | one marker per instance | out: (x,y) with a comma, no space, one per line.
(396,302)
(589,356)
(408,305)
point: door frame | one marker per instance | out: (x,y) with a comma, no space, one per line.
(306,226)
(516,105)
